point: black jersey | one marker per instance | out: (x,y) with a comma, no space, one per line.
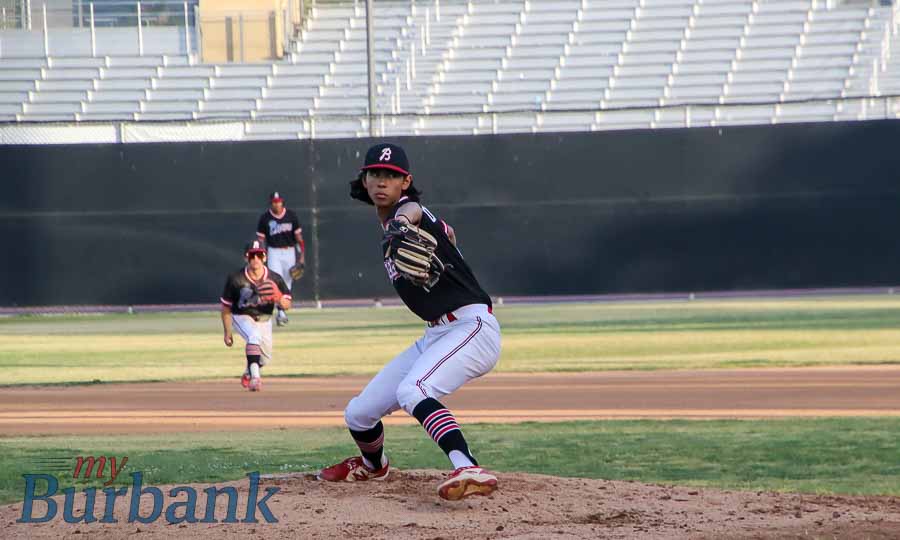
(242,297)
(278,231)
(457,286)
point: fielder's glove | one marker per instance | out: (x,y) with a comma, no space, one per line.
(296,271)
(412,251)
(268,292)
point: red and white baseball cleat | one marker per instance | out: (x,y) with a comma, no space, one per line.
(353,470)
(467,481)
(245,380)
(255,384)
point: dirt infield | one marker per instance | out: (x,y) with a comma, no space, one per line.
(526,506)
(223,405)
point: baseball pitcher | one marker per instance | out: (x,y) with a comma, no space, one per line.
(461,340)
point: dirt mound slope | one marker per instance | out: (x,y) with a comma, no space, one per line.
(526,506)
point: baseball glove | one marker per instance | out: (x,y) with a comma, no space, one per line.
(269,293)
(296,271)
(412,251)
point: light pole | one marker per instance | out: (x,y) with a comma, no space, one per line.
(370,55)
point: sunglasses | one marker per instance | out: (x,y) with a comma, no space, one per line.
(257,255)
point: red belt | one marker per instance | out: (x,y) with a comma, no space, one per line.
(451,318)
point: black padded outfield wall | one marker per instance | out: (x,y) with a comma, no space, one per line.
(752,207)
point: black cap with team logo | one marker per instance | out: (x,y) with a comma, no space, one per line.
(276,197)
(254,247)
(387,156)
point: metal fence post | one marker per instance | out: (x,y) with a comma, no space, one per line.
(229,39)
(370,53)
(408,76)
(241,34)
(140,30)
(44,27)
(894,19)
(873,80)
(422,40)
(285,13)
(198,32)
(28,14)
(273,34)
(93,33)
(187,31)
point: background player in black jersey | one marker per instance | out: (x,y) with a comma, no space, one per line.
(461,341)
(249,297)
(280,229)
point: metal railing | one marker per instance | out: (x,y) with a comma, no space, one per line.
(148,27)
(880,65)
(690,115)
(296,126)
(33,14)
(67,28)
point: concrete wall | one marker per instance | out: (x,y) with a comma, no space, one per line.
(242,30)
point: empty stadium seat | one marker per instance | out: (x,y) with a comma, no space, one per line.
(124,107)
(491,56)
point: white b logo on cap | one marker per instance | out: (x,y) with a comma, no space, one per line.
(385,155)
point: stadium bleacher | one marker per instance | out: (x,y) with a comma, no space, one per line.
(472,67)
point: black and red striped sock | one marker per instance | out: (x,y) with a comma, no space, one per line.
(371,443)
(254,352)
(441,426)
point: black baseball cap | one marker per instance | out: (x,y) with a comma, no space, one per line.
(254,247)
(276,197)
(387,156)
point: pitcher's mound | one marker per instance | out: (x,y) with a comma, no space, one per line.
(526,506)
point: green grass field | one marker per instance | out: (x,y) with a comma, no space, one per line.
(572,337)
(849,455)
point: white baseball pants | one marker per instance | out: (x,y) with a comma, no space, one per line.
(445,358)
(257,333)
(280,260)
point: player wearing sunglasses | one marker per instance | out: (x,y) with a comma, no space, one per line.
(248,300)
